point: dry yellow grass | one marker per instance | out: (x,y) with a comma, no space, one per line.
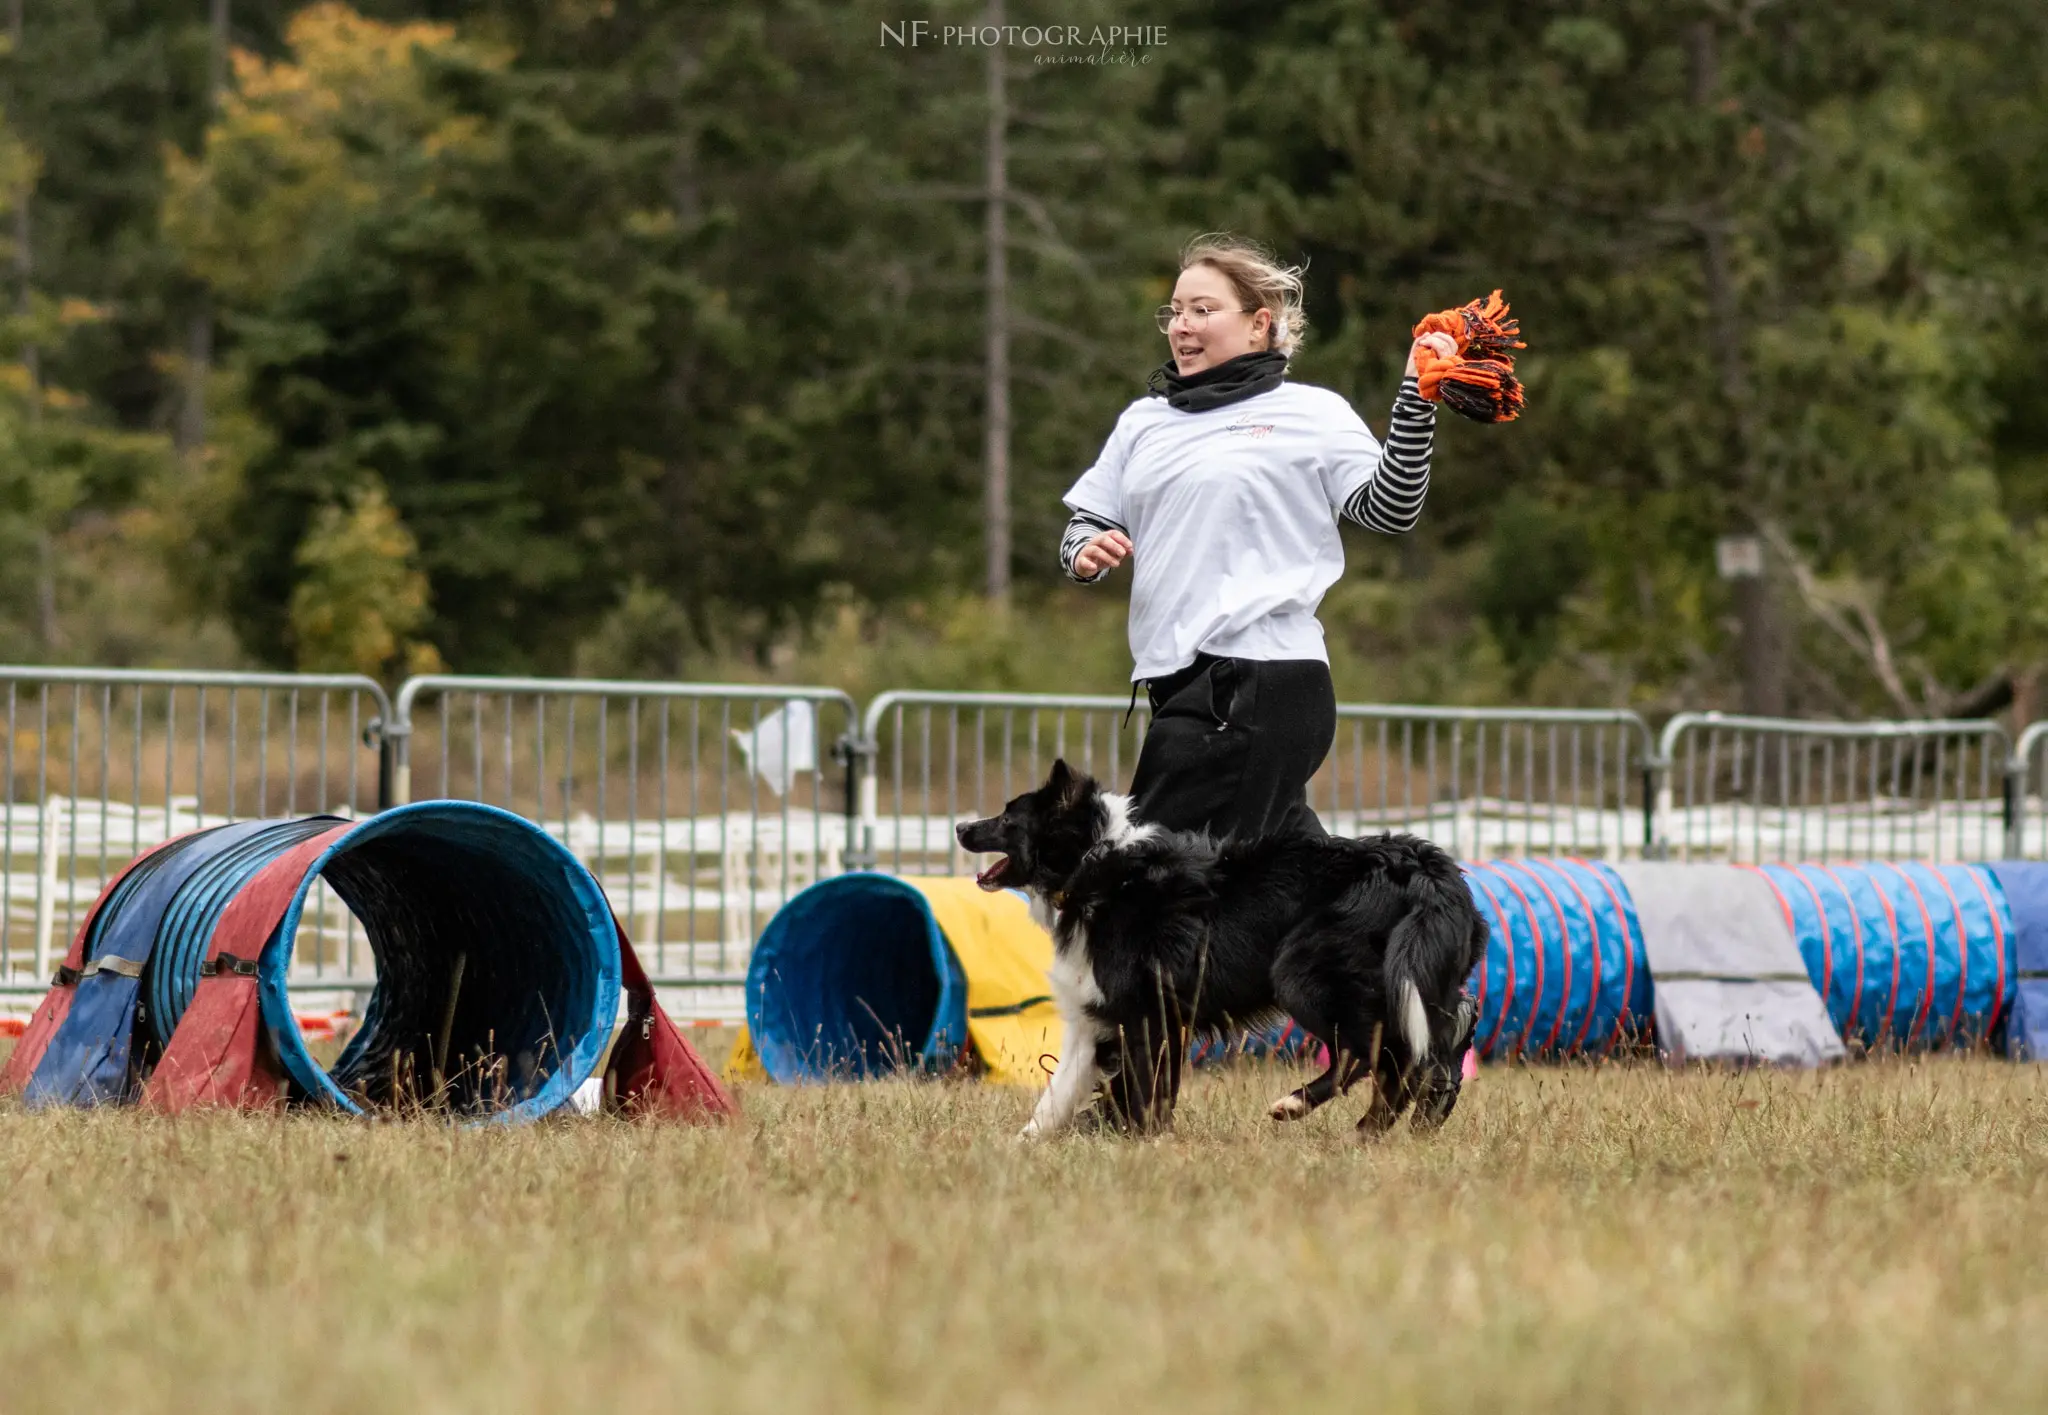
(1622,1239)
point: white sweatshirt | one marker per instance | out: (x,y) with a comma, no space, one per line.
(1232,515)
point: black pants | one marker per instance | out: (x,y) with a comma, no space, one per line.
(1233,744)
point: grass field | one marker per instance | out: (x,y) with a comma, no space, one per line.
(1621,1239)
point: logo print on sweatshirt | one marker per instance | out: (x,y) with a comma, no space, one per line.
(1249,429)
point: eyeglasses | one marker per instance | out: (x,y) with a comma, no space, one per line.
(1197,316)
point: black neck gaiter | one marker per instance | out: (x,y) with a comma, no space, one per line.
(1245,376)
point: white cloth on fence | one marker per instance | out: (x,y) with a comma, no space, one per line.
(782,746)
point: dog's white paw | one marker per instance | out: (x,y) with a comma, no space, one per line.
(1289,1107)
(1030,1130)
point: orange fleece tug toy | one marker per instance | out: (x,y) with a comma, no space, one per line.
(1479,380)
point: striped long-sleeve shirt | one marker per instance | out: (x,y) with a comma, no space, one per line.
(1390,502)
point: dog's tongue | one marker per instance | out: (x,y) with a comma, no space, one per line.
(992,877)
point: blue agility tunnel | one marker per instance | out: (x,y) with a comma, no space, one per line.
(497,964)
(1564,972)
(1904,954)
(2026,893)
(499,987)
(150,930)
(868,974)
(178,959)
(854,978)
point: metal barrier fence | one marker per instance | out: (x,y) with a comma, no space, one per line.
(701,808)
(1480,780)
(100,764)
(1485,782)
(1508,781)
(1764,789)
(2026,791)
(940,758)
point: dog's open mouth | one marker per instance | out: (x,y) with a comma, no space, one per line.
(992,878)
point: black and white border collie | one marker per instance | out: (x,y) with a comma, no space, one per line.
(1160,934)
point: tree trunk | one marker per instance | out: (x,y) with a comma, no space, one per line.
(1763,651)
(47,628)
(191,430)
(2026,697)
(1759,601)
(996,451)
(24,251)
(684,575)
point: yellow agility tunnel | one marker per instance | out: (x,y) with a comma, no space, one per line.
(864,974)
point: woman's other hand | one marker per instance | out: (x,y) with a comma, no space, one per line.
(1442,344)
(1105,552)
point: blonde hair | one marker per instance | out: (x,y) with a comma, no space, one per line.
(1260,280)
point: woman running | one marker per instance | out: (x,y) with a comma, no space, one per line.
(1224,487)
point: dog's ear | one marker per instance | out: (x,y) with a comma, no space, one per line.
(1066,784)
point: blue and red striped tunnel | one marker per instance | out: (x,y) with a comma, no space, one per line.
(1892,954)
(504,983)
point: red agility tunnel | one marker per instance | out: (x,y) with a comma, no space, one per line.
(506,986)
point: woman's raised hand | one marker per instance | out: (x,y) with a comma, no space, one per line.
(1105,552)
(1442,344)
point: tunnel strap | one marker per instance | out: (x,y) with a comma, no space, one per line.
(113,963)
(1013,1009)
(227,963)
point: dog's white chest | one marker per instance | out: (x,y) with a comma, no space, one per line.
(1042,912)
(1072,974)
(1073,978)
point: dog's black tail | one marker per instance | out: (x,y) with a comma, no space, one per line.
(1429,953)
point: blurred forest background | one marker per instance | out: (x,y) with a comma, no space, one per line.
(653,339)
